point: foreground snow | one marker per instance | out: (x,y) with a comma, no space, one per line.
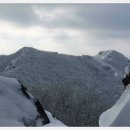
(119,114)
(16,109)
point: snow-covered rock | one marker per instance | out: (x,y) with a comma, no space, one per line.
(119,114)
(19,108)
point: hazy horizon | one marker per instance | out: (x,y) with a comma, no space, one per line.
(74,29)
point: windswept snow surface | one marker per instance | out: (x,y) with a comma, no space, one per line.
(15,108)
(119,114)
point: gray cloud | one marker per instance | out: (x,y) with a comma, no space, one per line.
(106,16)
(22,15)
(81,16)
(96,26)
(103,21)
(89,16)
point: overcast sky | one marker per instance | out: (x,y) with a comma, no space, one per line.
(75,29)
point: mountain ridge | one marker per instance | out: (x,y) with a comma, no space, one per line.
(76,89)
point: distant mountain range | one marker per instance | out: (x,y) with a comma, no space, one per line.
(76,89)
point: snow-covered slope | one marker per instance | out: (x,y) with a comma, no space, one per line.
(20,108)
(119,114)
(76,89)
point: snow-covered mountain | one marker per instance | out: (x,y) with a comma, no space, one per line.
(76,89)
(20,108)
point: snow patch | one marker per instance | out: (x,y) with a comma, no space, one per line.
(18,110)
(14,105)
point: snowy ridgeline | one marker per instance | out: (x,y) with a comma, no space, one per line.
(19,108)
(119,114)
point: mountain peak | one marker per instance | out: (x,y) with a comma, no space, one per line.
(114,59)
(109,54)
(33,51)
(27,49)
